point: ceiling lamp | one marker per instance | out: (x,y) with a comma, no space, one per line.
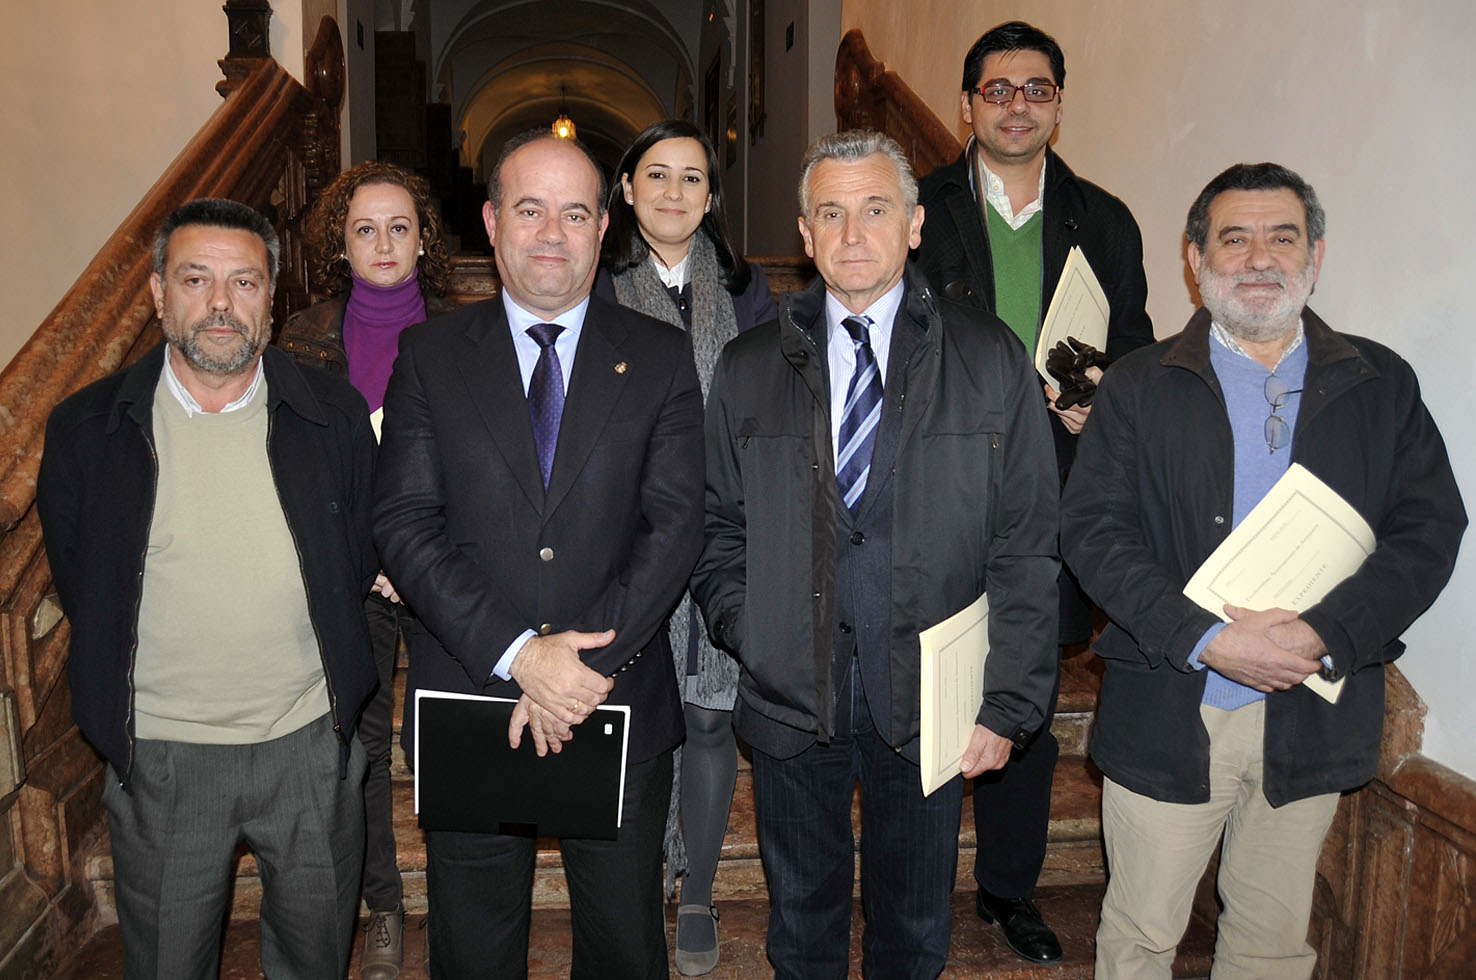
(563,126)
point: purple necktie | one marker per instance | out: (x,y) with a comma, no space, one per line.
(546,395)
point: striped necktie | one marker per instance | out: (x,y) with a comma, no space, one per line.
(546,395)
(860,415)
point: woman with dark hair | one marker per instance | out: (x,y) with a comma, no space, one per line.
(375,248)
(667,254)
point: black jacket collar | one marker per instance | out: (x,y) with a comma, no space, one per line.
(284,380)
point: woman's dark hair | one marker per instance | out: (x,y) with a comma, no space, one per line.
(325,247)
(625,248)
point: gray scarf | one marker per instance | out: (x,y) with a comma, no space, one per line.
(713,322)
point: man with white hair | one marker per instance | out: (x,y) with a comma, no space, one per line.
(856,452)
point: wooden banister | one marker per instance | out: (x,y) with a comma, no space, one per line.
(867,96)
(271,144)
(259,147)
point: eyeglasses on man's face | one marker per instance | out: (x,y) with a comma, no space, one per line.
(1003,93)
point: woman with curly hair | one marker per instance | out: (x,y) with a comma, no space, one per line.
(375,248)
(667,253)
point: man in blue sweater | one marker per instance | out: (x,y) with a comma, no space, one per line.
(1204,727)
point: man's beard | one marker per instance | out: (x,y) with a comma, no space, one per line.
(202,356)
(1257,322)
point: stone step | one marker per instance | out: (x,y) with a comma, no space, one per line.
(978,949)
(1074,855)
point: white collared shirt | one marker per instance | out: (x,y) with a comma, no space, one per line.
(189,403)
(840,350)
(994,193)
(676,276)
(565,344)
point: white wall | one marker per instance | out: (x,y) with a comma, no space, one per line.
(99,98)
(1370,100)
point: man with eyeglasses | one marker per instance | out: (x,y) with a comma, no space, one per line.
(1001,220)
(1204,728)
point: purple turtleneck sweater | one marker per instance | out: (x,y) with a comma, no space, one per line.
(372,320)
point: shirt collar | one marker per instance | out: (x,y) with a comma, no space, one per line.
(188,402)
(674,277)
(882,313)
(519,319)
(994,191)
(1228,341)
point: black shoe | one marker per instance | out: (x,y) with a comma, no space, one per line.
(1024,930)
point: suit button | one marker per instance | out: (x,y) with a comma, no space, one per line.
(545,629)
(857,537)
(547,554)
(845,627)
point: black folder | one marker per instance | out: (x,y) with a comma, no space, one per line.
(468,779)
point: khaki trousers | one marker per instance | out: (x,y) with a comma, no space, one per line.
(1157,852)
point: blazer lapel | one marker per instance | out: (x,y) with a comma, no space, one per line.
(594,386)
(495,387)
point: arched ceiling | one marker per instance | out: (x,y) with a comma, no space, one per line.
(509,65)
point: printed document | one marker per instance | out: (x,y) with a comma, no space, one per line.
(1078,309)
(953,655)
(1294,546)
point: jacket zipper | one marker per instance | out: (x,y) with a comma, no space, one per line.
(143,559)
(307,589)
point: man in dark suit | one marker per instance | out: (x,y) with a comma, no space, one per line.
(539,502)
(876,460)
(1001,220)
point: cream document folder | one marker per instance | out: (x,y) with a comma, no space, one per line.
(1294,546)
(952,681)
(1078,309)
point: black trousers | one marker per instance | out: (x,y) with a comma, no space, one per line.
(1012,815)
(909,857)
(479,887)
(382,886)
(1012,807)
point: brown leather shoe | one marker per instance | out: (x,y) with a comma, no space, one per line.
(384,945)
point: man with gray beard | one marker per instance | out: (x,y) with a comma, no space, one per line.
(1204,727)
(206,512)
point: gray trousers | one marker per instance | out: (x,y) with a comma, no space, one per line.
(174,834)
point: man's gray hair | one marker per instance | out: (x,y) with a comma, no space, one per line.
(219,213)
(1254,177)
(849,147)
